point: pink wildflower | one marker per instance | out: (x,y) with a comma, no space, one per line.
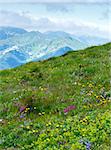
(66,110)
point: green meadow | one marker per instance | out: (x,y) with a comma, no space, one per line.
(58,104)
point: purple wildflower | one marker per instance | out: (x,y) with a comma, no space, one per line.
(21,116)
(22,108)
(88,145)
(66,110)
(61,142)
(97,101)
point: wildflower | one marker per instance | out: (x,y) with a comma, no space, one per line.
(42,89)
(40,114)
(91,85)
(88,145)
(61,126)
(64,129)
(33,131)
(34,107)
(66,110)
(48,139)
(22,109)
(46,125)
(75,83)
(21,116)
(97,101)
(28,127)
(61,142)
(49,123)
(97,97)
(1,120)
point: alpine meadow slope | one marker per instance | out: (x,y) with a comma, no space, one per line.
(60,103)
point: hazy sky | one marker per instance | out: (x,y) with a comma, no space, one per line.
(92,17)
(63,1)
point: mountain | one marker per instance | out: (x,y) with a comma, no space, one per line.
(93,40)
(6,32)
(34,46)
(62,103)
(18,46)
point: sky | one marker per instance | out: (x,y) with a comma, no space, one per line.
(83,17)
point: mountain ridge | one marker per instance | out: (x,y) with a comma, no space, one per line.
(35,46)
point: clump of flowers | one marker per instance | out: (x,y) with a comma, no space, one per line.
(69,108)
(87,144)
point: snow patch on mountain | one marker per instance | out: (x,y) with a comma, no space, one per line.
(13,48)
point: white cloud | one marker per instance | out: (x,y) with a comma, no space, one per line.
(28,21)
(9,18)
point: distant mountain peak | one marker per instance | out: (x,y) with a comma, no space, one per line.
(7,32)
(20,46)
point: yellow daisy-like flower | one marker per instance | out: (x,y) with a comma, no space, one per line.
(51,135)
(28,127)
(49,123)
(33,131)
(64,130)
(46,124)
(34,107)
(40,114)
(97,96)
(90,85)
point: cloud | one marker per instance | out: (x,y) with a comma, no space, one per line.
(9,18)
(43,24)
(83,28)
(27,21)
(57,7)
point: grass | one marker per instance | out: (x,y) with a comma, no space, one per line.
(44,90)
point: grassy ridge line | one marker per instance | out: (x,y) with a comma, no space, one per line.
(79,78)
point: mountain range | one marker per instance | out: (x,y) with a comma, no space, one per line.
(18,46)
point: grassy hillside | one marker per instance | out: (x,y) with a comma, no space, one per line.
(58,104)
